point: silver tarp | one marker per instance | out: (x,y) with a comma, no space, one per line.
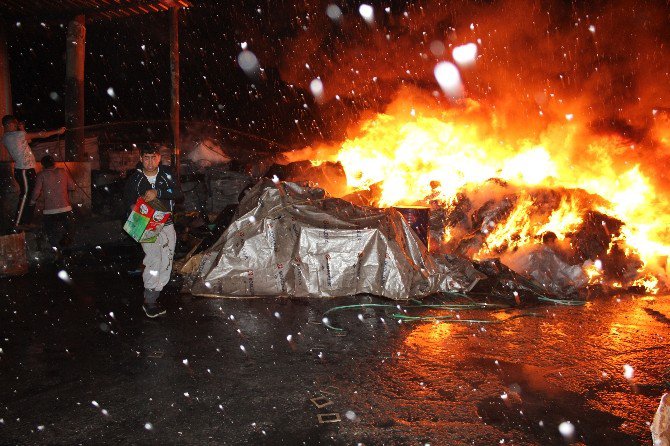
(287,240)
(546,268)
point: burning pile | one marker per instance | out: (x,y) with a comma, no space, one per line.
(496,193)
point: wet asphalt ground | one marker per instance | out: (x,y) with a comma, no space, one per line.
(79,364)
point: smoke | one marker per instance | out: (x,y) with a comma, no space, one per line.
(602,65)
(603,59)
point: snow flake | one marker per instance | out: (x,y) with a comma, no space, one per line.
(465,55)
(248,62)
(437,48)
(334,12)
(316,87)
(567,429)
(64,276)
(628,371)
(449,78)
(367,12)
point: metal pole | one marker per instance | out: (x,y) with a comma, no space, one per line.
(5,84)
(174,70)
(74,89)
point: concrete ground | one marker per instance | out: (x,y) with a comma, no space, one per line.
(79,364)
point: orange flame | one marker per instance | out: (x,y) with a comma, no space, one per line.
(410,146)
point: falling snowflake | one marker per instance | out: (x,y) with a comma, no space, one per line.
(367,12)
(64,276)
(628,371)
(567,429)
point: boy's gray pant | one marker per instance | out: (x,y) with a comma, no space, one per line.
(157,261)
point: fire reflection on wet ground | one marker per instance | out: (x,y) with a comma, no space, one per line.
(524,377)
(253,365)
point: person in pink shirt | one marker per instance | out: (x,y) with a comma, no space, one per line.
(55,183)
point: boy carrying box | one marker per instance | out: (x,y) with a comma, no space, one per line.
(154,183)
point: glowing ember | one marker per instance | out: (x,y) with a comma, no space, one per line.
(594,271)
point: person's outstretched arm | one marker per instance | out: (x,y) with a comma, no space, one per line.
(44,134)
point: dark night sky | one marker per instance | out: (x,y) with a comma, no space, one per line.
(131,56)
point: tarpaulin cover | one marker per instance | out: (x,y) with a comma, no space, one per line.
(547,269)
(292,241)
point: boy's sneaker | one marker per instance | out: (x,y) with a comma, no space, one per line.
(153,311)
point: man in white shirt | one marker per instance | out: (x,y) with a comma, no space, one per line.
(16,141)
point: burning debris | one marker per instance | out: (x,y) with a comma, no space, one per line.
(562,213)
(551,236)
(327,175)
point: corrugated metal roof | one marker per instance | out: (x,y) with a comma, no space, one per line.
(92,9)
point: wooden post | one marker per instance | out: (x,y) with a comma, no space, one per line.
(74,89)
(5,85)
(174,70)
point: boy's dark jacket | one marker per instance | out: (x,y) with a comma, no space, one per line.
(167,187)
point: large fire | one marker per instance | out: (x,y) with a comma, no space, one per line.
(550,181)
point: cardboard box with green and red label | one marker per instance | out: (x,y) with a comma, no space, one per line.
(146,220)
